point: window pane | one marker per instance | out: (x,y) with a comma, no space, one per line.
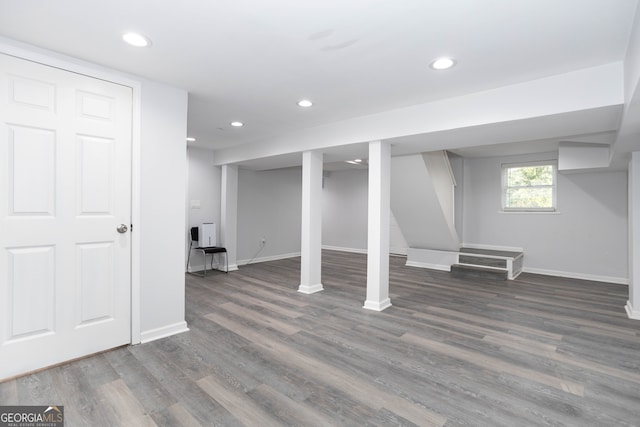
(533,197)
(530,175)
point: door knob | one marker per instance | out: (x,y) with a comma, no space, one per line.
(122,228)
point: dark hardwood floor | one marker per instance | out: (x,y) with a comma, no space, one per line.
(531,352)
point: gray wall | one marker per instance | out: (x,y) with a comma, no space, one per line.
(344,209)
(586,238)
(345,213)
(204,186)
(269,206)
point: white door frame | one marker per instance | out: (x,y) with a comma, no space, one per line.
(19,50)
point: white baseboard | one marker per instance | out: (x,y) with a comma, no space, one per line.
(431,258)
(631,312)
(447,267)
(581,276)
(266,258)
(394,250)
(440,267)
(492,247)
(341,249)
(163,332)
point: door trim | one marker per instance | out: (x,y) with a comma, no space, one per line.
(52,59)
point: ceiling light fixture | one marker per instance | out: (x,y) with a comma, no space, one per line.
(443,63)
(190,139)
(237,124)
(305,103)
(135,39)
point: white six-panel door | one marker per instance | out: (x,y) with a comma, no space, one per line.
(65,187)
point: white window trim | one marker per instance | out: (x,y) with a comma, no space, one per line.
(554,186)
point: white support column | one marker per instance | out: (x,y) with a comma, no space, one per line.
(229,214)
(633,304)
(379,224)
(311,242)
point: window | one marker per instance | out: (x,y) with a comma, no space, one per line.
(529,187)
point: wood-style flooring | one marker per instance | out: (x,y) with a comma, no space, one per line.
(536,351)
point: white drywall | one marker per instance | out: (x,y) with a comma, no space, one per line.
(577,156)
(585,238)
(269,207)
(435,260)
(417,207)
(457,166)
(203,198)
(437,163)
(344,210)
(163,183)
(344,213)
(633,303)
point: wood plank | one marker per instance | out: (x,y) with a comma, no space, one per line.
(495,364)
(506,326)
(237,403)
(181,417)
(259,318)
(287,411)
(355,387)
(124,407)
(449,351)
(247,299)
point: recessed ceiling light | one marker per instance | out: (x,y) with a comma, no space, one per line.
(359,162)
(190,139)
(237,124)
(305,103)
(135,39)
(443,63)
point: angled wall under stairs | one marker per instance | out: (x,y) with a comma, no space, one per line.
(422,200)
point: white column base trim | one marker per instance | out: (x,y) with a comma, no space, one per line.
(163,332)
(377,305)
(310,289)
(232,268)
(633,314)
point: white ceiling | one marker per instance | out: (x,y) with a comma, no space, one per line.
(252,60)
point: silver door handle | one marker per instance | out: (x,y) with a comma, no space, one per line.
(122,228)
